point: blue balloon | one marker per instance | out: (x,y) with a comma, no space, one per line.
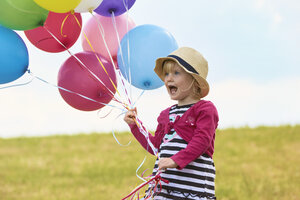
(13,56)
(146,44)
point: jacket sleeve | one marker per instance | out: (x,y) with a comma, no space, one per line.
(155,140)
(206,124)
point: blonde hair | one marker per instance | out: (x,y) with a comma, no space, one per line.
(168,66)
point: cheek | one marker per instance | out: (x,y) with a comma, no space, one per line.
(189,80)
(165,82)
(167,88)
(183,80)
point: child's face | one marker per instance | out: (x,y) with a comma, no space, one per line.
(180,85)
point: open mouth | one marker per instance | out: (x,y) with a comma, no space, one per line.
(172,89)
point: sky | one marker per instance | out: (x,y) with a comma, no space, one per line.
(252,48)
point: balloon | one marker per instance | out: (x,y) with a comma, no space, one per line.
(58,6)
(75,77)
(146,44)
(13,56)
(62,25)
(91,29)
(21,14)
(116,6)
(87,5)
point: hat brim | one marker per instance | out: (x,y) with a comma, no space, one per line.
(201,81)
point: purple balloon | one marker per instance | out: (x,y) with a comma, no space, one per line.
(118,7)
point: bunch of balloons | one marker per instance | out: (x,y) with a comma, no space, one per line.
(113,46)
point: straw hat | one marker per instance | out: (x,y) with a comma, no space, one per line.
(191,61)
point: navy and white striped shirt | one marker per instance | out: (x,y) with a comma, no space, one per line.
(196,180)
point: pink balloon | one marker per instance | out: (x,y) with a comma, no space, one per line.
(91,29)
(75,77)
(62,25)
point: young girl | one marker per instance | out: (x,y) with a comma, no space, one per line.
(186,131)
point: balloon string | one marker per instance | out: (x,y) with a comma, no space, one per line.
(119,43)
(142,129)
(96,55)
(16,85)
(113,131)
(136,172)
(103,35)
(128,48)
(137,121)
(102,117)
(155,180)
(125,4)
(105,44)
(118,38)
(138,98)
(78,94)
(110,56)
(146,133)
(82,64)
(62,25)
(121,52)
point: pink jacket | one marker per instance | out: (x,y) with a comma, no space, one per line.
(197,126)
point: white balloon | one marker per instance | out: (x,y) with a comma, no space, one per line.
(87,5)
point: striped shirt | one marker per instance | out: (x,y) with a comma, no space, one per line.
(196,180)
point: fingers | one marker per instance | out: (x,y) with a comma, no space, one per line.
(134,110)
(130,116)
(165,163)
(131,113)
(162,164)
(162,168)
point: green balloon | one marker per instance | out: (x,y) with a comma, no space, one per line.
(22,14)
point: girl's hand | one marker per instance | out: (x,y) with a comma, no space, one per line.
(165,163)
(130,116)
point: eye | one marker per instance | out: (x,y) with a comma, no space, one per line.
(166,74)
(176,72)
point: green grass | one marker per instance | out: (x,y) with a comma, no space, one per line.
(259,164)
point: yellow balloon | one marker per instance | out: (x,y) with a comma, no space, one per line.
(58,6)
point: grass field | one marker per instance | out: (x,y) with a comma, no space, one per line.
(260,164)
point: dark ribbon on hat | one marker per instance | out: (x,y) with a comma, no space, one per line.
(186,65)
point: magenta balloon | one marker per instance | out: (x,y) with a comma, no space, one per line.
(75,77)
(94,35)
(107,7)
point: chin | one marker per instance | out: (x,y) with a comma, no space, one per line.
(174,98)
